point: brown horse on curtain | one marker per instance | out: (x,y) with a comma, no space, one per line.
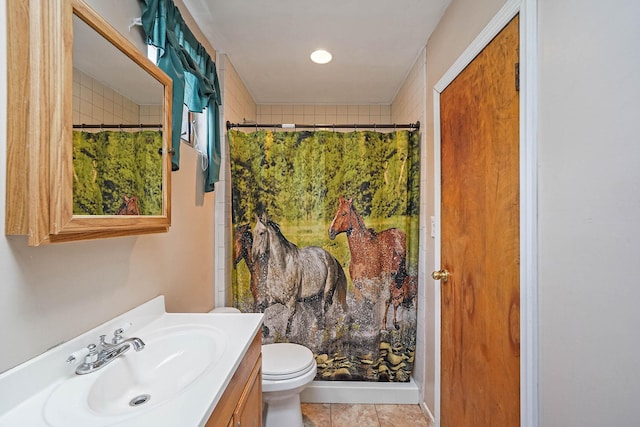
(377,258)
(242,244)
(129,206)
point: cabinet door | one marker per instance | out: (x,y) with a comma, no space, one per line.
(248,413)
(241,402)
(115,184)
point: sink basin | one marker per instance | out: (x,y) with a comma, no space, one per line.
(173,359)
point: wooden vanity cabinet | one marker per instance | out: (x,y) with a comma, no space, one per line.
(241,403)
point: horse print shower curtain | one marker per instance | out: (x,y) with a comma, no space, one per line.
(326,245)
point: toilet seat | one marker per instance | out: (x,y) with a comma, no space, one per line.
(282,361)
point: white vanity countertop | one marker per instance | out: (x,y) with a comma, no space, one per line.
(29,393)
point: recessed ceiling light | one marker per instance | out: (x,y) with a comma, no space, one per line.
(320,56)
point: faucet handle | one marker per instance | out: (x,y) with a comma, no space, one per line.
(89,353)
(77,355)
(117,334)
(92,356)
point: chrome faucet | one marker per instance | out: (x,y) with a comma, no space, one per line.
(104,353)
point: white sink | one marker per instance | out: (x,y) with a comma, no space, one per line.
(170,362)
(173,359)
(176,379)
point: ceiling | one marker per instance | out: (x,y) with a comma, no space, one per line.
(374,44)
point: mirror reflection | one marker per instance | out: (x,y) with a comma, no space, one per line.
(117,135)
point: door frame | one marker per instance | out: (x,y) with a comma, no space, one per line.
(527,9)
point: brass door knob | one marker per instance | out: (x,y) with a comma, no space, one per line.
(442,275)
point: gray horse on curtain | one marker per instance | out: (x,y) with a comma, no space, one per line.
(289,274)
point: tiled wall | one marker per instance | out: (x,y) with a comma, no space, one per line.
(95,103)
(323,114)
(150,114)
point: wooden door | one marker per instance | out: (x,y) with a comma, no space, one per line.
(480,339)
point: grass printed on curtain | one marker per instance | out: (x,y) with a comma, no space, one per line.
(117,173)
(326,245)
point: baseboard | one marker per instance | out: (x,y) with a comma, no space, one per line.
(361,392)
(427,413)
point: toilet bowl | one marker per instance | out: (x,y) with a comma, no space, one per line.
(287,369)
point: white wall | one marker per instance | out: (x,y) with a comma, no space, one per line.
(589,212)
(409,106)
(589,200)
(52,293)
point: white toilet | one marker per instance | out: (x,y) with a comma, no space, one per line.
(286,370)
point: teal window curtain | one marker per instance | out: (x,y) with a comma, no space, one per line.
(195,80)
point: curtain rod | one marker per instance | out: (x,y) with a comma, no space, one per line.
(119,126)
(374,126)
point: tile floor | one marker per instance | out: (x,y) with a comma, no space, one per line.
(363,415)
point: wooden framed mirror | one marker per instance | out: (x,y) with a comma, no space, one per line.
(73,171)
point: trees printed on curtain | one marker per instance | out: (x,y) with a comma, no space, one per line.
(111,167)
(297,179)
(324,163)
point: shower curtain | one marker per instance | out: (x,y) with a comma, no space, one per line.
(117,172)
(341,212)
